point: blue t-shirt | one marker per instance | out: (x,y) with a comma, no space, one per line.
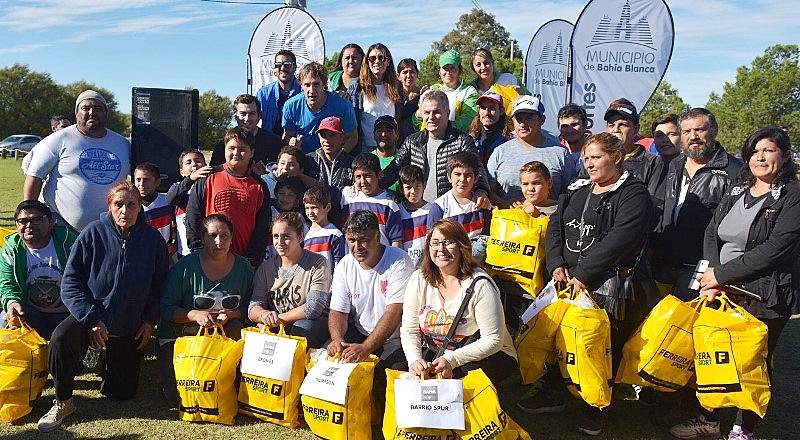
(297,117)
(506,160)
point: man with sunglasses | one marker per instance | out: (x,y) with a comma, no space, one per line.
(31,265)
(272,96)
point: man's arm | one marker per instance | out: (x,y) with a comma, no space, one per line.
(31,188)
(386,325)
(337,327)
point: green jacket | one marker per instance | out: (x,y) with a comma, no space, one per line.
(14,264)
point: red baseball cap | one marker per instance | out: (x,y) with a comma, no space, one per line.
(331,123)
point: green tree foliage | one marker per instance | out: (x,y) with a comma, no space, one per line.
(215,115)
(330,63)
(474,30)
(664,100)
(29,98)
(765,93)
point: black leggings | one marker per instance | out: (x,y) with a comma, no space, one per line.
(67,348)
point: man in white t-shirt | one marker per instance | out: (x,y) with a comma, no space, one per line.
(32,263)
(80,163)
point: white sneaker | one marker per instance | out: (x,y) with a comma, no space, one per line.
(696,427)
(739,433)
(55,417)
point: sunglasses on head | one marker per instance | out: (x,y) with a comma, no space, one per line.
(205,301)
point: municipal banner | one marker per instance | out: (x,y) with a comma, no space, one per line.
(620,48)
(546,68)
(284,28)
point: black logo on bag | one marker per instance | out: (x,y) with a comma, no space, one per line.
(722,357)
(330,371)
(338,418)
(208,386)
(429,393)
(276,389)
(570,359)
(528,250)
(269,348)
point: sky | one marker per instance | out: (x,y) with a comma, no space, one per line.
(178,43)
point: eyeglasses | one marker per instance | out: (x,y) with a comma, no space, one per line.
(209,301)
(374,58)
(449,244)
(35,221)
(279,64)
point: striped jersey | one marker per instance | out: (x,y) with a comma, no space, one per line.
(158,214)
(471,219)
(382,205)
(416,225)
(327,241)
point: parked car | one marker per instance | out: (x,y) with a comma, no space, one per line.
(22,142)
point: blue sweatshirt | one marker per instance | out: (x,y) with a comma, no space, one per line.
(115,280)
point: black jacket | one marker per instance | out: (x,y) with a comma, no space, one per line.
(623,222)
(770,265)
(341,173)
(681,243)
(414,151)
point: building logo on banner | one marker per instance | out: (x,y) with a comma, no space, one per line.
(286,28)
(546,68)
(620,48)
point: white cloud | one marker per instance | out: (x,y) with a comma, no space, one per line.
(23,49)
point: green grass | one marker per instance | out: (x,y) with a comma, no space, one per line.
(147,416)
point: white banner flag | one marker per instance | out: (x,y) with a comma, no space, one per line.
(620,49)
(546,68)
(284,28)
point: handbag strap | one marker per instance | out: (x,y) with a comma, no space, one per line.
(467,296)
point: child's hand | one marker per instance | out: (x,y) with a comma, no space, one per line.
(200,172)
(530,209)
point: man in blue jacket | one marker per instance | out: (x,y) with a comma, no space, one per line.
(32,262)
(272,96)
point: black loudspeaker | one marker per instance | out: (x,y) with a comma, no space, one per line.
(164,123)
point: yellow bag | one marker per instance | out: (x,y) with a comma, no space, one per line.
(205,375)
(484,418)
(536,340)
(660,354)
(583,349)
(731,358)
(263,393)
(352,418)
(23,370)
(515,250)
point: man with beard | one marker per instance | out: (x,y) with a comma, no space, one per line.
(274,95)
(386,135)
(696,181)
(572,123)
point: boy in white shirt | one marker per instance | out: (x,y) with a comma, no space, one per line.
(417,214)
(322,237)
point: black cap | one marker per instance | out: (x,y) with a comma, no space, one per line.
(626,111)
(386,119)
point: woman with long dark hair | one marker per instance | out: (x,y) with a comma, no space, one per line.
(348,67)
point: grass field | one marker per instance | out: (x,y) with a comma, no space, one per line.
(147,416)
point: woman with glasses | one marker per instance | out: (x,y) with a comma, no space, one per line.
(434,295)
(293,287)
(376,92)
(203,289)
(111,285)
(348,67)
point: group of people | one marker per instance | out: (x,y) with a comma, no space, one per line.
(353,216)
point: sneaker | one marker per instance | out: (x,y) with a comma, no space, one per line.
(739,433)
(696,427)
(649,397)
(55,417)
(593,422)
(541,403)
(624,391)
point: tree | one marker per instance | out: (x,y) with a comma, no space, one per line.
(27,100)
(765,93)
(664,100)
(474,30)
(215,115)
(117,120)
(330,63)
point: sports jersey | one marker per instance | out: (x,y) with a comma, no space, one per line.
(471,219)
(327,241)
(416,225)
(382,205)
(158,214)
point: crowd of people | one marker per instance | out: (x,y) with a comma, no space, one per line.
(350,207)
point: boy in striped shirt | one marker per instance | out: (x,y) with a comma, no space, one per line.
(158,213)
(322,237)
(417,214)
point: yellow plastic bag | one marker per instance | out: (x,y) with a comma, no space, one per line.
(583,350)
(660,354)
(484,418)
(267,360)
(23,370)
(536,340)
(731,358)
(205,375)
(337,399)
(515,250)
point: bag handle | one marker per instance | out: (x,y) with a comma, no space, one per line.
(21,324)
(467,296)
(217,331)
